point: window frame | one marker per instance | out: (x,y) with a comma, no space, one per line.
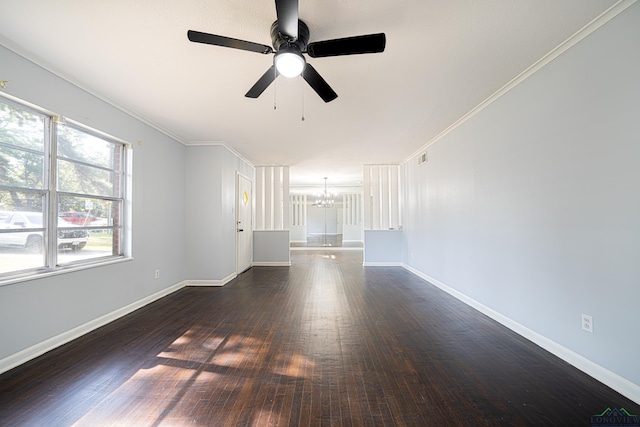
(51,194)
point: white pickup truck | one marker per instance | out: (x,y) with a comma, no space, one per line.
(11,234)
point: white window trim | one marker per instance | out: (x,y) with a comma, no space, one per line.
(50,208)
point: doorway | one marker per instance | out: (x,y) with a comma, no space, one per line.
(244,225)
(335,225)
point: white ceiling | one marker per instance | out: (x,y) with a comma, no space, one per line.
(442,58)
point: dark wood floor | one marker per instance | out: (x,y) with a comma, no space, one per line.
(324,342)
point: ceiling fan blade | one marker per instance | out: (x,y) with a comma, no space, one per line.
(370,43)
(287,11)
(198,37)
(318,84)
(263,83)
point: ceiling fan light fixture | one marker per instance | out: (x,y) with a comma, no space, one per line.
(289,62)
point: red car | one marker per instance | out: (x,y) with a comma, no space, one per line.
(78,218)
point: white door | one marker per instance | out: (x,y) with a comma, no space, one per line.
(244,226)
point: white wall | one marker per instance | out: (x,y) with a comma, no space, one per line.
(532,206)
(352,233)
(382,247)
(298,233)
(210,197)
(32,312)
(352,217)
(271,248)
(271,189)
(317,223)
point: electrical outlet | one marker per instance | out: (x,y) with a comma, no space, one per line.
(157,274)
(587,323)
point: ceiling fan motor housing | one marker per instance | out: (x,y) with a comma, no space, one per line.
(280,41)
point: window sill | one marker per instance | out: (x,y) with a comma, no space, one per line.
(60,270)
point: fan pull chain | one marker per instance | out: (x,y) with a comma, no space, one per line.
(302,91)
(275,88)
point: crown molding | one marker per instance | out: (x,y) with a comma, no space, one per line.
(574,39)
(36,60)
(220,144)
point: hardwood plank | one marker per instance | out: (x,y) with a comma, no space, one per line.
(324,342)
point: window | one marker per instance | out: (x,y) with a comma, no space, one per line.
(62,193)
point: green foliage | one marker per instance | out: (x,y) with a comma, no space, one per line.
(85,165)
(21,158)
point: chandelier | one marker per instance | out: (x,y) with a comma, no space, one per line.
(326,199)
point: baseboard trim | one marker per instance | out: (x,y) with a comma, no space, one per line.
(39,349)
(213,282)
(323,248)
(382,264)
(271,264)
(600,373)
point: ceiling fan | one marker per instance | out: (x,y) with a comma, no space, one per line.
(290,38)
